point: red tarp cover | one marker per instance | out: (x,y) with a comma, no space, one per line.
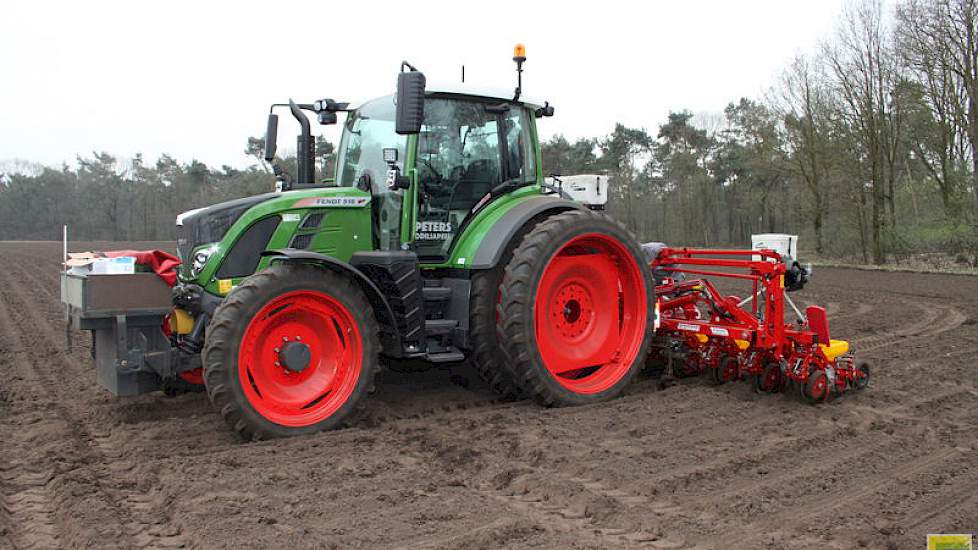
(163,264)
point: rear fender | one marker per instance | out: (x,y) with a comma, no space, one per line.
(390,338)
(514,224)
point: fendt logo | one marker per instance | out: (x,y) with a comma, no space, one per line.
(335,202)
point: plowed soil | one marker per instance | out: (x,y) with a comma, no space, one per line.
(439,463)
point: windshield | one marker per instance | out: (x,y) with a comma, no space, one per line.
(367,132)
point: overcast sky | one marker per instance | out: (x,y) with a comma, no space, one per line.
(195,78)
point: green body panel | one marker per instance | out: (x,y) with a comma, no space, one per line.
(344,231)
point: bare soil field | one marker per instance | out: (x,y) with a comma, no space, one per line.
(439,463)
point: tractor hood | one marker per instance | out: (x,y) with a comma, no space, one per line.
(209,224)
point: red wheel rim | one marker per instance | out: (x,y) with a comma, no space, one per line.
(589,313)
(335,356)
(819,387)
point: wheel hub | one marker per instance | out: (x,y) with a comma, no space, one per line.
(572,310)
(294,356)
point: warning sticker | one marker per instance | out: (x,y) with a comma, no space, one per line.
(690,328)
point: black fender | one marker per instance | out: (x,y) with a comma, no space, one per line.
(389,336)
(513,224)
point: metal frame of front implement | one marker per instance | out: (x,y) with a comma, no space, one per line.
(731,342)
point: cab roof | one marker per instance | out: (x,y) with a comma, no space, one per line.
(504,94)
(470,90)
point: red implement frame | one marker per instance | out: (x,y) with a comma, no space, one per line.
(719,335)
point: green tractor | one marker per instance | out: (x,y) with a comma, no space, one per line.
(438,240)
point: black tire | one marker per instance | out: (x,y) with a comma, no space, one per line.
(487,358)
(231,319)
(515,315)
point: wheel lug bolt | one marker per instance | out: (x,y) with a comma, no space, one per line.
(277,364)
(285,338)
(276,350)
(298,338)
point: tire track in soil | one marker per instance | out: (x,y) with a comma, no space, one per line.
(829,460)
(531,494)
(856,486)
(722,469)
(836,459)
(201,434)
(936,319)
(27,501)
(941,503)
(139,519)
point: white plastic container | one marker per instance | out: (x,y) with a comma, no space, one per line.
(786,245)
(588,189)
(123,265)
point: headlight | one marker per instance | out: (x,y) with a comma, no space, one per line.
(200,260)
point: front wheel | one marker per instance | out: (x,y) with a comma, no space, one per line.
(292,350)
(572,318)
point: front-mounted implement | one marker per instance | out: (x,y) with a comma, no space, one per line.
(126,314)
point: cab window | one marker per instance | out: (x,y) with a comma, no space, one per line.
(466,148)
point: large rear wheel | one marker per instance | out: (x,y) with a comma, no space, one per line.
(486,357)
(292,350)
(572,317)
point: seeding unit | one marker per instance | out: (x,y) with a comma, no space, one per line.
(704,331)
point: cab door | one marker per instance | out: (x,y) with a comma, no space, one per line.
(466,148)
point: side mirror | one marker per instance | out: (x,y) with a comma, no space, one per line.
(410,102)
(271,134)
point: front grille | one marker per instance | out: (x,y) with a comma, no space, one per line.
(210,224)
(245,254)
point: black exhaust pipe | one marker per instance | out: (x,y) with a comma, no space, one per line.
(305,148)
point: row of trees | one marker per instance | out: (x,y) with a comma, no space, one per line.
(868,147)
(107,198)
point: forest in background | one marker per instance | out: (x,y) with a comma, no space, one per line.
(866,147)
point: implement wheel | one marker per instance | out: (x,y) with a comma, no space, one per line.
(818,389)
(770,380)
(573,311)
(725,372)
(292,350)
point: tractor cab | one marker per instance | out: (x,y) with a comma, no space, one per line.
(470,143)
